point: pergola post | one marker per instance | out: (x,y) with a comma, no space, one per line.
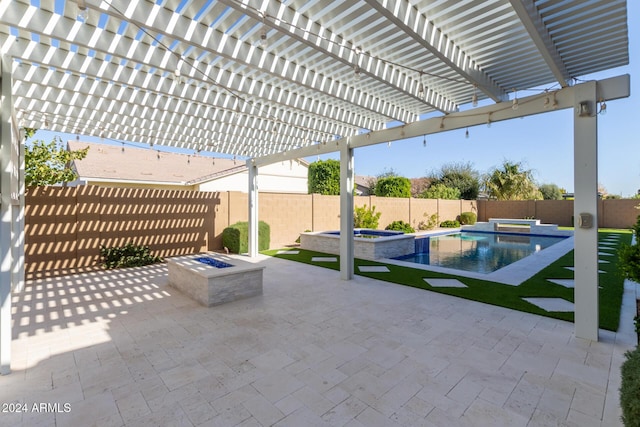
(346,211)
(253,209)
(7,186)
(585,211)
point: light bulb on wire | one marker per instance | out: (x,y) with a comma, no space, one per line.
(466,133)
(514,105)
(474,98)
(424,141)
(603,107)
(83,12)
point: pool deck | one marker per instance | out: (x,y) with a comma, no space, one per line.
(122,348)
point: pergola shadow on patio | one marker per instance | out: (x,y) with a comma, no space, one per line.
(122,348)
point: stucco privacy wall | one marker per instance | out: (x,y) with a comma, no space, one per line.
(65,227)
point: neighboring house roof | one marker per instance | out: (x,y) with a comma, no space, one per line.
(110,162)
(365,180)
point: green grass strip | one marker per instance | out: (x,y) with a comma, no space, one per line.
(611,282)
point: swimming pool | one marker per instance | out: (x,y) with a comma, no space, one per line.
(477,252)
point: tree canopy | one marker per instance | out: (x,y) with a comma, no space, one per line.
(461,176)
(550,192)
(324,177)
(441,191)
(49,163)
(393,186)
(511,182)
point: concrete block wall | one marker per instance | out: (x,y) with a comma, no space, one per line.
(65,227)
(287,215)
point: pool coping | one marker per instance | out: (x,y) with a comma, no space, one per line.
(513,274)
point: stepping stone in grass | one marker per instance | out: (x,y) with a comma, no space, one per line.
(373,269)
(324,259)
(287,252)
(551,304)
(445,283)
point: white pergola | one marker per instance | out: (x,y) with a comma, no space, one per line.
(268,80)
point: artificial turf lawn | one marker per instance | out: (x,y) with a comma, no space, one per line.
(611,282)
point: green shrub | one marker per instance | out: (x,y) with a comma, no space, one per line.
(468,218)
(324,177)
(629,262)
(366,218)
(236,237)
(430,223)
(400,226)
(450,223)
(441,191)
(393,186)
(129,255)
(636,229)
(630,389)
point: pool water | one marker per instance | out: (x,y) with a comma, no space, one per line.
(477,252)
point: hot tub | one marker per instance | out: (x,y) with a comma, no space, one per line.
(367,244)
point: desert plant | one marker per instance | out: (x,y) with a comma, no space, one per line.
(450,223)
(363,217)
(129,255)
(630,389)
(400,226)
(468,218)
(236,237)
(430,223)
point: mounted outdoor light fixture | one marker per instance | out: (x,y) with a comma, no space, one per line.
(585,109)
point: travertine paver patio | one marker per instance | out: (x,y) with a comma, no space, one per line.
(122,348)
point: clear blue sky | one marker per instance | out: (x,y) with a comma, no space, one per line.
(543,143)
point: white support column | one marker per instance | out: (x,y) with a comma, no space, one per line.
(17,212)
(253,209)
(346,212)
(585,213)
(6,217)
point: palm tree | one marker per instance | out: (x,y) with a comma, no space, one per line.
(511,182)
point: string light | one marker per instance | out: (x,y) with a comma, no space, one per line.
(474,98)
(466,133)
(189,159)
(158,154)
(424,140)
(442,123)
(514,105)
(421,92)
(122,149)
(603,107)
(357,72)
(83,12)
(489,120)
(389,144)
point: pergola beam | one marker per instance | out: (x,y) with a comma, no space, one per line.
(409,20)
(607,89)
(532,21)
